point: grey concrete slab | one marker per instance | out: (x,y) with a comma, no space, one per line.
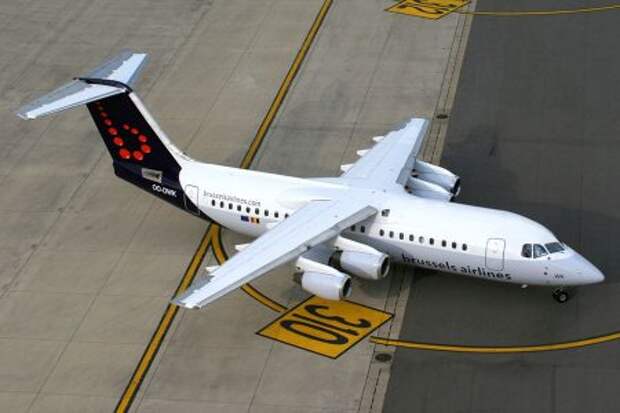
(16,402)
(51,271)
(121,319)
(154,405)
(534,130)
(70,403)
(92,369)
(52,316)
(141,274)
(323,383)
(223,375)
(26,364)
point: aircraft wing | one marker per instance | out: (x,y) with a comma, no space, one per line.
(391,160)
(313,224)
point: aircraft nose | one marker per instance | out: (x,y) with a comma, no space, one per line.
(585,271)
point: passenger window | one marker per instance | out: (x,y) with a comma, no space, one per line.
(213,202)
(391,234)
(539,251)
(238,207)
(257,211)
(411,237)
(229,206)
(285,215)
(464,247)
(431,241)
(352,227)
(381,232)
(443,243)
(362,229)
(526,251)
(276,214)
(221,204)
(421,240)
(266,212)
(454,245)
(401,236)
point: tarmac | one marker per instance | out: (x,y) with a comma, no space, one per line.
(533,129)
(88,263)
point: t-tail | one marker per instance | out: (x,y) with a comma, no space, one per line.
(141,152)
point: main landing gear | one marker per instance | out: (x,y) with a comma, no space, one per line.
(561,295)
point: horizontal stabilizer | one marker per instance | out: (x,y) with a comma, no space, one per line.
(109,79)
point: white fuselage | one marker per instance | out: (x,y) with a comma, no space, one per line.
(450,237)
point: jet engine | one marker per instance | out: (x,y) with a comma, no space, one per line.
(322,280)
(370,266)
(437,175)
(328,286)
(425,189)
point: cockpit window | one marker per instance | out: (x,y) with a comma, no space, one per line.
(539,251)
(527,251)
(554,247)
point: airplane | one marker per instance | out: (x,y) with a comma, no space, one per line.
(387,207)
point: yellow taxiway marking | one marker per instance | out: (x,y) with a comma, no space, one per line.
(154,344)
(162,328)
(428,9)
(434,9)
(221,257)
(567,345)
(324,327)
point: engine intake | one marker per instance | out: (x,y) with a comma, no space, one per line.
(328,286)
(370,266)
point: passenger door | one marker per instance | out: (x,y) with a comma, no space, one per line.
(495,254)
(191,195)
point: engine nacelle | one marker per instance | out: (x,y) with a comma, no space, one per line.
(328,286)
(370,266)
(437,175)
(425,189)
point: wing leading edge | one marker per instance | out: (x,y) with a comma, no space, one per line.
(391,160)
(311,225)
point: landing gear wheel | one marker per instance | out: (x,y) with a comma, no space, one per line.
(561,296)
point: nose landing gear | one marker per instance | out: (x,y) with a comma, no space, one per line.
(561,295)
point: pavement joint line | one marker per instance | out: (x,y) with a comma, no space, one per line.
(536,348)
(130,392)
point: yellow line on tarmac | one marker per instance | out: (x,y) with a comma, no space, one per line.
(285,86)
(567,345)
(541,12)
(221,257)
(162,328)
(167,318)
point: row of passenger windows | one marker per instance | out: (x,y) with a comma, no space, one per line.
(411,237)
(248,210)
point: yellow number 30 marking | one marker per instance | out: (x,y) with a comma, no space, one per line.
(325,327)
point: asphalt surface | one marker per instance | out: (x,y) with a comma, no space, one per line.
(534,129)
